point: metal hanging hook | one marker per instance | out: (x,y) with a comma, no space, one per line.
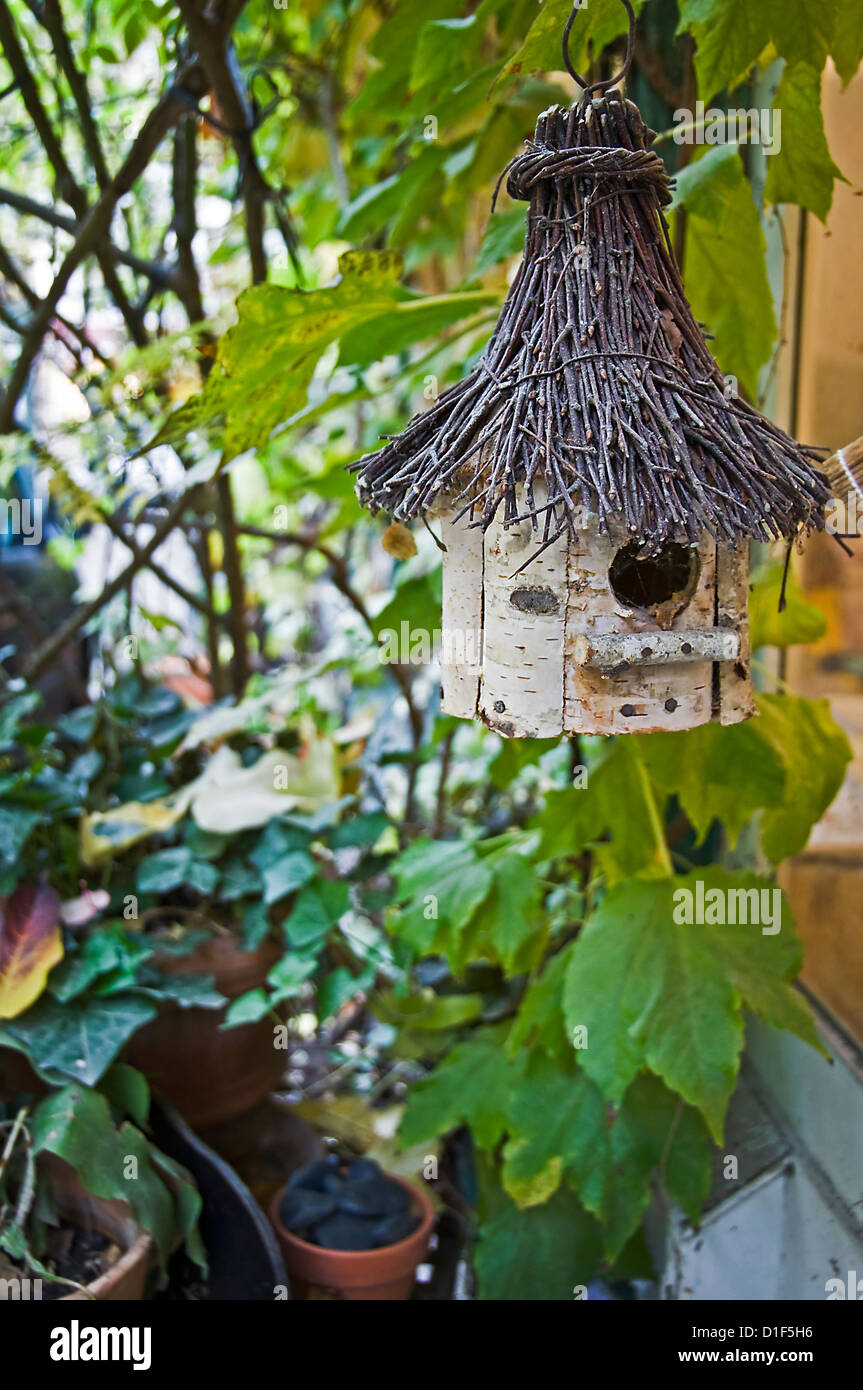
(610,82)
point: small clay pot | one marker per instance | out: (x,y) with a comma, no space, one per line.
(125,1280)
(207,1075)
(385,1274)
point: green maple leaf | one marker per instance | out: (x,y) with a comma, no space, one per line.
(725,270)
(561,1127)
(801,171)
(717,773)
(539,1021)
(788,763)
(597,25)
(658,993)
(265,363)
(509,920)
(472,1086)
(469,899)
(799,621)
(556,1122)
(731,35)
(847,42)
(816,753)
(574,817)
(537,1253)
(441,877)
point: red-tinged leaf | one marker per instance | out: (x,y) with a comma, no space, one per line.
(30,944)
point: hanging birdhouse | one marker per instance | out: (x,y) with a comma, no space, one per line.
(595,482)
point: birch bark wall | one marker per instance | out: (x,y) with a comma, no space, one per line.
(549,649)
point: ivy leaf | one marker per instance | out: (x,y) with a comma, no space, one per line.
(538,1253)
(247,1008)
(801,171)
(815,752)
(470,1086)
(128,1091)
(15,825)
(286,875)
(31,943)
(77,1040)
(340,985)
(175,868)
(76,1125)
(239,880)
(311,918)
(13,712)
(726,272)
(97,955)
(288,975)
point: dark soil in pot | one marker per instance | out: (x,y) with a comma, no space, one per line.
(98,1244)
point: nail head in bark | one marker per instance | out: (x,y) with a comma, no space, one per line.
(596,485)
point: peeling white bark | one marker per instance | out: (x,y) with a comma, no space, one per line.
(521,695)
(553,649)
(736,700)
(644,698)
(461,656)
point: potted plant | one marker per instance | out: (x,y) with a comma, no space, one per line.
(87,1204)
(350,1231)
(211,872)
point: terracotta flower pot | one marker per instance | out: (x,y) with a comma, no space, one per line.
(125,1280)
(208,1075)
(385,1274)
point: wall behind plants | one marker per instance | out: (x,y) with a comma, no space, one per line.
(339,158)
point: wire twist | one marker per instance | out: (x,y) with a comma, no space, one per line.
(606,86)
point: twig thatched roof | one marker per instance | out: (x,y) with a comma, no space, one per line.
(597,379)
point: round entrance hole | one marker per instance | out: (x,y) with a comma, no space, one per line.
(647,581)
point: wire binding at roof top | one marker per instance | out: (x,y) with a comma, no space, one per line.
(597,381)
